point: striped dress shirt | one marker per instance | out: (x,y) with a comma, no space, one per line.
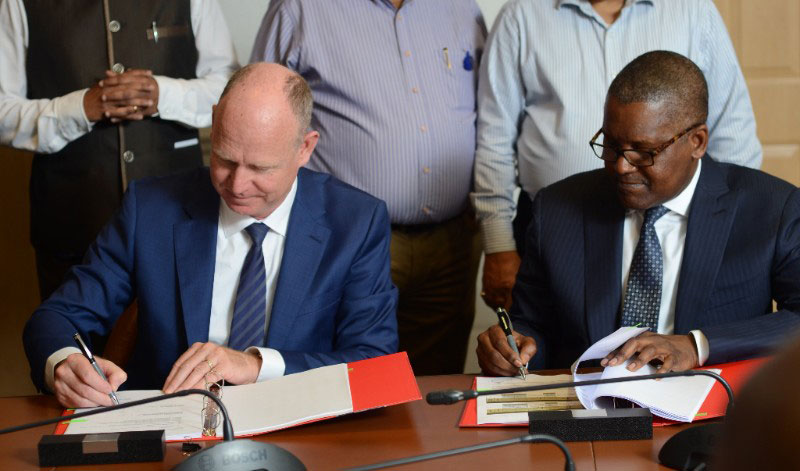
(543,82)
(394,94)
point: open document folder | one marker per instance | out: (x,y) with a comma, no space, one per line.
(271,405)
(670,400)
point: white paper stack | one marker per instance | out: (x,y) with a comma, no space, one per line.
(672,398)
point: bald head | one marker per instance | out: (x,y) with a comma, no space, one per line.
(666,78)
(260,138)
(257,85)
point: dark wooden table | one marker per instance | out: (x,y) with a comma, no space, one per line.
(369,437)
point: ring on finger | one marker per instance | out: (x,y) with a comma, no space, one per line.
(135,108)
(210,364)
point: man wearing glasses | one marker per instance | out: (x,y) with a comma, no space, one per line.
(544,77)
(664,237)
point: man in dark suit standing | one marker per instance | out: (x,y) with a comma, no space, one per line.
(664,237)
(252,270)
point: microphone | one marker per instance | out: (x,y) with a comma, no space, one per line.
(230,455)
(569,464)
(686,450)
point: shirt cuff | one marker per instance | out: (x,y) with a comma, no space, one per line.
(701,342)
(72,122)
(498,236)
(272,364)
(169,97)
(52,361)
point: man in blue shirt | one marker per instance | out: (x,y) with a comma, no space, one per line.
(547,67)
(394,84)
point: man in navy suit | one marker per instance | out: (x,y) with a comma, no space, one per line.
(664,237)
(252,270)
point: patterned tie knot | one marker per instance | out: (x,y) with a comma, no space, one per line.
(257,232)
(653,214)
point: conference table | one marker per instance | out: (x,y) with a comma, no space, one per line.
(369,437)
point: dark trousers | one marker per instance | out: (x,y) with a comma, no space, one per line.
(435,268)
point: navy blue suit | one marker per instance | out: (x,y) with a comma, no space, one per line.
(335,301)
(742,250)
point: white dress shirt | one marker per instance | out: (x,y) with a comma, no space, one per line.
(232,247)
(47,125)
(671,233)
(233,243)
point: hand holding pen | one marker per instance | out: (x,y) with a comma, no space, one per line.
(76,382)
(505,324)
(503,352)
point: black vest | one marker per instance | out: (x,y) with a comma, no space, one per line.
(75,192)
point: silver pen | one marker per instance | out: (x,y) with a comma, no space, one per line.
(90,357)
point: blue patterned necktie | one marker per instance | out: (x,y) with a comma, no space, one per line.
(250,311)
(643,297)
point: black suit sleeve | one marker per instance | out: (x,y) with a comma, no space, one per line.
(756,335)
(532,311)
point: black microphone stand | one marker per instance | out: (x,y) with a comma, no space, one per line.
(569,464)
(687,450)
(230,455)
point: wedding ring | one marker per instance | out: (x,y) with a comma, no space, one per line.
(135,108)
(210,365)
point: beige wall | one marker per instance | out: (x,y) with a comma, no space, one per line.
(766,35)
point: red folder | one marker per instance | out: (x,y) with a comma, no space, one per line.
(736,374)
(375,382)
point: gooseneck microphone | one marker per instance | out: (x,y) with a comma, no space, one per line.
(451,396)
(689,449)
(569,464)
(230,455)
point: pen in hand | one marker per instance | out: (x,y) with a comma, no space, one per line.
(88,354)
(505,324)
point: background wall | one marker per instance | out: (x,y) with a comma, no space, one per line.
(766,35)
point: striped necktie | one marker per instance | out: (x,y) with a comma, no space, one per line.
(643,297)
(250,311)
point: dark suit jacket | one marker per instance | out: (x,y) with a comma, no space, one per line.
(335,301)
(742,250)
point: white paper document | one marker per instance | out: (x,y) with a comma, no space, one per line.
(484,406)
(254,408)
(672,398)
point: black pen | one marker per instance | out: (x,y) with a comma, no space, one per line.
(505,324)
(90,357)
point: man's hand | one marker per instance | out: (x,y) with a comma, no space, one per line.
(499,274)
(233,366)
(131,95)
(77,384)
(495,357)
(675,352)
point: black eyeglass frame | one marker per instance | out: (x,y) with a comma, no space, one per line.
(651,152)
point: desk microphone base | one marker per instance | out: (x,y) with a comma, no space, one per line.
(688,449)
(580,425)
(241,455)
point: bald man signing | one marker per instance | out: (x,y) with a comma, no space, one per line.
(664,237)
(249,270)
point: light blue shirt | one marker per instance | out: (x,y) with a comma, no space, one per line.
(543,82)
(394,94)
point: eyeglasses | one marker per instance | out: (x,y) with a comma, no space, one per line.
(635,157)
